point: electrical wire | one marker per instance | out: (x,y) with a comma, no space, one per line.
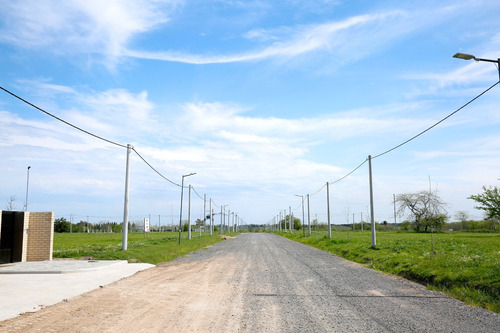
(62,120)
(412,138)
(439,122)
(350,173)
(162,176)
(87,132)
(310,195)
(197,193)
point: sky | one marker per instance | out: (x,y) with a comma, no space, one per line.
(265,101)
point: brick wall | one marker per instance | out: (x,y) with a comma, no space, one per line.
(40,236)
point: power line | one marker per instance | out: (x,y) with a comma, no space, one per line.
(87,132)
(310,195)
(62,120)
(412,138)
(439,122)
(162,176)
(350,173)
(196,193)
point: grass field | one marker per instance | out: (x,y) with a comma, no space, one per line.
(158,247)
(464,265)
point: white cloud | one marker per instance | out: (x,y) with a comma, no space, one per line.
(74,27)
(336,37)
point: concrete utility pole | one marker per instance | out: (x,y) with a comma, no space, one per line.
(125,203)
(204,210)
(303,216)
(182,194)
(220,231)
(394,197)
(287,225)
(308,216)
(372,217)
(290,218)
(189,213)
(328,209)
(211,217)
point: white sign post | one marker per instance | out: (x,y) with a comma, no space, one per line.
(146,226)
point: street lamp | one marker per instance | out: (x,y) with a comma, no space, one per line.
(303,216)
(182,193)
(466,56)
(27,187)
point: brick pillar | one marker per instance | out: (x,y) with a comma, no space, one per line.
(40,236)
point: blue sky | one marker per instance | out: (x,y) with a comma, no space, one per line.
(262,99)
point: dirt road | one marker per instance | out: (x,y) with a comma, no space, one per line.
(258,283)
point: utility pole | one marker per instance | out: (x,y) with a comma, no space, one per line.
(211,217)
(182,194)
(372,217)
(204,210)
(125,203)
(394,197)
(308,216)
(284,220)
(189,213)
(328,209)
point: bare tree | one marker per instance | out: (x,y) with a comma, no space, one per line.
(425,208)
(463,217)
(10,206)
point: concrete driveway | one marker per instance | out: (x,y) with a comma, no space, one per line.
(31,286)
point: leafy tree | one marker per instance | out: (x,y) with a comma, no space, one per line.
(200,223)
(489,201)
(61,225)
(426,209)
(462,216)
(285,223)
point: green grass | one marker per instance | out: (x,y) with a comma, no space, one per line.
(464,265)
(158,247)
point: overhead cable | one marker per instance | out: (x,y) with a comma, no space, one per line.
(439,122)
(196,193)
(350,173)
(310,195)
(62,120)
(162,176)
(87,132)
(412,138)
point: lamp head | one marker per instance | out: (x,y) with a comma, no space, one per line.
(464,56)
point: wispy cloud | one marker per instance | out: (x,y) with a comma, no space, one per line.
(335,37)
(76,27)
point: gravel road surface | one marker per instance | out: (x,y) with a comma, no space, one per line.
(259,283)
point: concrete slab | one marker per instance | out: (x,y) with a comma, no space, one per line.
(31,286)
